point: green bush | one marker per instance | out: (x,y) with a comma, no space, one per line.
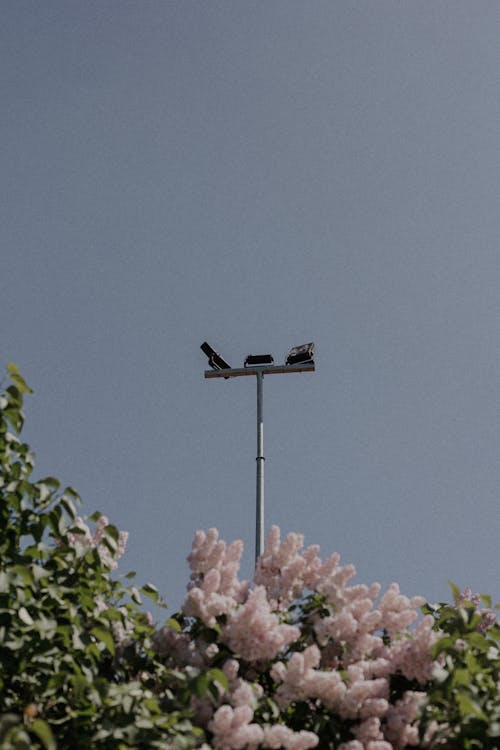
(463,702)
(76,657)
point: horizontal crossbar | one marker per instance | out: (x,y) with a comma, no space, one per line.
(265,370)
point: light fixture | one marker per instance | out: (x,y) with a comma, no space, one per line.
(259,359)
(215,360)
(301,354)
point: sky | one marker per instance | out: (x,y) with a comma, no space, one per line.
(261,175)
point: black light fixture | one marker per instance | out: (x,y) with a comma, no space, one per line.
(303,354)
(259,359)
(215,360)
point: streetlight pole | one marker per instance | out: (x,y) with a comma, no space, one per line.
(221,369)
(259,510)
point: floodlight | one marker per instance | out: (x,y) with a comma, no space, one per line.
(215,360)
(303,354)
(259,359)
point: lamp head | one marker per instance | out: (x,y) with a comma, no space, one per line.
(303,354)
(215,360)
(259,359)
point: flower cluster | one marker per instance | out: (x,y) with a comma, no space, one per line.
(232,724)
(214,589)
(232,730)
(110,546)
(254,632)
(301,635)
(467,599)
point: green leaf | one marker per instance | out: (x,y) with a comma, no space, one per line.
(51,482)
(15,395)
(144,723)
(44,733)
(201,684)
(494,632)
(111,615)
(68,507)
(73,494)
(135,595)
(112,532)
(25,616)
(447,642)
(21,383)
(150,591)
(454,590)
(461,677)
(173,624)
(469,707)
(38,572)
(486,599)
(79,685)
(62,526)
(478,641)
(105,637)
(217,675)
(15,417)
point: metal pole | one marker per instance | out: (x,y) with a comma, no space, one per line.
(259,520)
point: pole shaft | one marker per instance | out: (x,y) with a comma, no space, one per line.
(259,519)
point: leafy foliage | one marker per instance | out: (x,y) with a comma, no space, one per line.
(463,703)
(64,673)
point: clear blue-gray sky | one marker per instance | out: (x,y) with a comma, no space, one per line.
(261,175)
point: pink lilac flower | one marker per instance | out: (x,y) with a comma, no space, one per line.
(83,536)
(86,540)
(232,729)
(110,559)
(413,656)
(352,627)
(488,620)
(468,597)
(488,616)
(280,736)
(245,694)
(369,733)
(283,569)
(398,611)
(254,632)
(122,630)
(203,710)
(301,680)
(332,579)
(231,668)
(177,649)
(214,589)
(401,725)
(366,699)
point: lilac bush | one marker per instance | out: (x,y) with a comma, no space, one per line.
(308,658)
(304,658)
